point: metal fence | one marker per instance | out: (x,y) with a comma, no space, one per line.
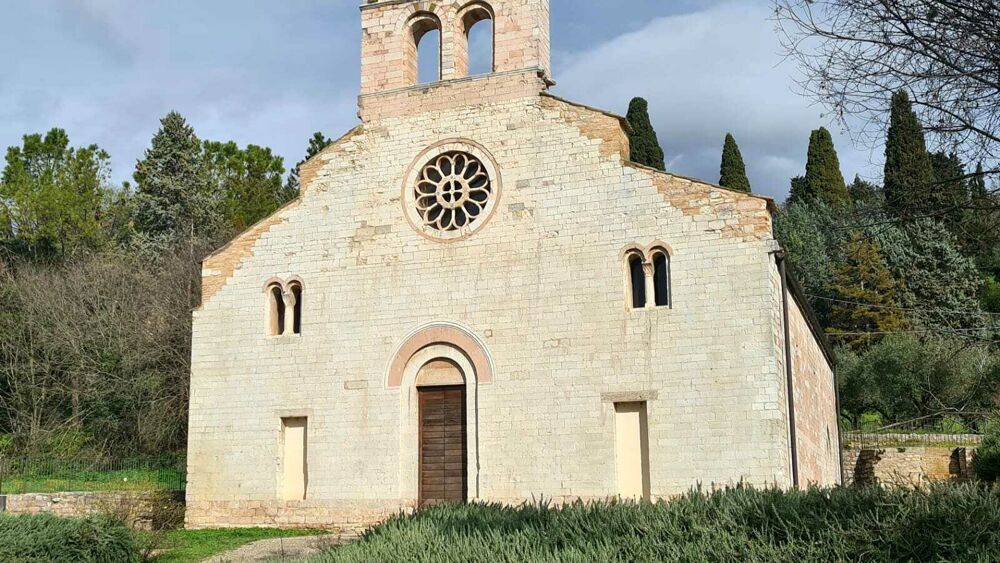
(951,429)
(35,475)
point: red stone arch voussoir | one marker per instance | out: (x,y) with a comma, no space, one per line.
(441,334)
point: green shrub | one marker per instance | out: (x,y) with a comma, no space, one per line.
(47,539)
(943,523)
(986,461)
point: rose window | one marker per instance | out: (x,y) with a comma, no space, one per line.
(452,191)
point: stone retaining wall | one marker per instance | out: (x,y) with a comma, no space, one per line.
(907,466)
(141,509)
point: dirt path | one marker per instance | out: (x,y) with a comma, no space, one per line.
(279,549)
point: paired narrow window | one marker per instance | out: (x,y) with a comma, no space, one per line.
(471,48)
(294,458)
(284,308)
(649,280)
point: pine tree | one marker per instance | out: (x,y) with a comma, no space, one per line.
(909,176)
(175,199)
(646,148)
(824,181)
(865,293)
(733,171)
(250,181)
(934,279)
(52,195)
(317,143)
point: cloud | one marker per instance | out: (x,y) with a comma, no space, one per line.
(254,71)
(271,73)
(706,73)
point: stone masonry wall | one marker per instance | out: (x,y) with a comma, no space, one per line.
(140,508)
(542,286)
(817,431)
(907,466)
(388,53)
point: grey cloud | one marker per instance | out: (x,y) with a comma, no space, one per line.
(271,73)
(707,73)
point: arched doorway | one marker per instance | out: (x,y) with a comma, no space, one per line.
(442,434)
(439,370)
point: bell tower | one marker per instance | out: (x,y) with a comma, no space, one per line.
(392,31)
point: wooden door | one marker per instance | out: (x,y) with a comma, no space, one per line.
(443,465)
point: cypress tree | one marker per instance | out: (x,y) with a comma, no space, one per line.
(863,193)
(798,193)
(977,231)
(950,191)
(909,176)
(733,171)
(824,181)
(646,148)
(977,185)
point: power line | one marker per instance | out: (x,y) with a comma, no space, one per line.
(920,331)
(911,309)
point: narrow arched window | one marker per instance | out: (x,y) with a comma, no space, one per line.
(425,65)
(661,277)
(477,22)
(296,289)
(275,310)
(637,280)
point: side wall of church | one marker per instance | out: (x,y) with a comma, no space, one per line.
(815,405)
(543,286)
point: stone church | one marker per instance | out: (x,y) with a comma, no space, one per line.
(478,297)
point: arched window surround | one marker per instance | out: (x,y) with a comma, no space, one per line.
(283,307)
(467,17)
(418,25)
(654,291)
(660,258)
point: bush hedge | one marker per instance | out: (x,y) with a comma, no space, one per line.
(986,461)
(45,538)
(943,523)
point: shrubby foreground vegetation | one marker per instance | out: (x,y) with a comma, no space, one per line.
(945,523)
(47,539)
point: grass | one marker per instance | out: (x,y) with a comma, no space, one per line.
(94,481)
(189,546)
(943,523)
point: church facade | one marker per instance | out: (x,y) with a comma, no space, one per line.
(477,296)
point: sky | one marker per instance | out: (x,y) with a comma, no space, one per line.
(271,72)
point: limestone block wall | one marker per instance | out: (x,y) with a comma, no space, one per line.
(389,53)
(816,421)
(542,286)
